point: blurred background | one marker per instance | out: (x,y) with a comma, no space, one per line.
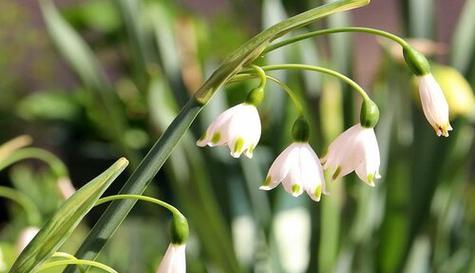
(85,82)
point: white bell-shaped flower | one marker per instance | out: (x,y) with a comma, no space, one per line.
(239,127)
(298,168)
(434,105)
(25,237)
(356,149)
(174,260)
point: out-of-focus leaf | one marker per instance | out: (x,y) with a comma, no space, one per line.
(10,146)
(332,125)
(73,48)
(98,14)
(419,257)
(133,12)
(463,41)
(421,18)
(7,256)
(49,106)
(163,28)
(60,226)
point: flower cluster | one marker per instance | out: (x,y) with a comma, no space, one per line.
(298,168)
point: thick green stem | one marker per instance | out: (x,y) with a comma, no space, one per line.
(154,160)
(373,31)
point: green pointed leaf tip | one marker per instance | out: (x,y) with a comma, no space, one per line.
(59,227)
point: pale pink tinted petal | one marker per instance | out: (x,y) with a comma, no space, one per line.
(280,167)
(174,260)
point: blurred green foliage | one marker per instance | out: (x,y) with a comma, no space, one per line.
(120,73)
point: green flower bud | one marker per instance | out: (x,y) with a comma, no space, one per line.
(300,130)
(369,114)
(179,229)
(255,96)
(417,62)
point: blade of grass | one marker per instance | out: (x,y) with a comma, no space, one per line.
(154,160)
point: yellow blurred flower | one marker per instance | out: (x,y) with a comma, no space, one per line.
(456,89)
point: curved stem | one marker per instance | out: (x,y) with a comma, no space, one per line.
(65,255)
(14,144)
(77,262)
(304,36)
(293,97)
(56,165)
(32,213)
(262,75)
(324,70)
(169,207)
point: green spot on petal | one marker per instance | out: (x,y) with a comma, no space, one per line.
(318,191)
(250,150)
(238,145)
(295,188)
(216,137)
(371,179)
(337,173)
(267,181)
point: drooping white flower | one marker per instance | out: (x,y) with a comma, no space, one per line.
(25,237)
(239,127)
(356,149)
(434,105)
(298,168)
(174,260)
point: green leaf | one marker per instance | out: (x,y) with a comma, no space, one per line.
(49,105)
(463,43)
(57,230)
(72,47)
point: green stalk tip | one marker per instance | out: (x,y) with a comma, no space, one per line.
(417,62)
(369,115)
